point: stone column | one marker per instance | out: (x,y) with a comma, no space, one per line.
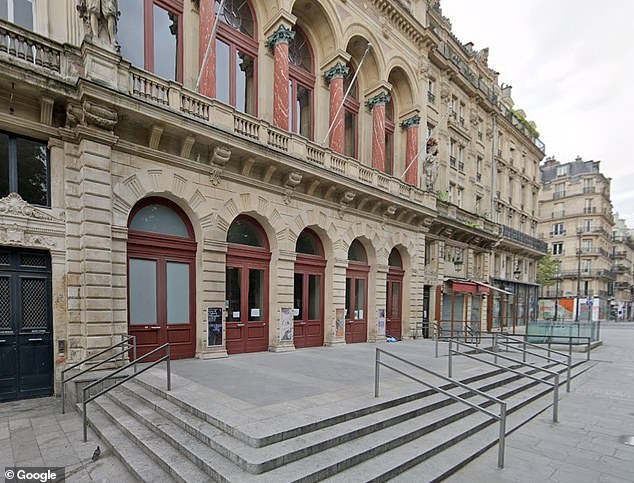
(411,163)
(332,337)
(205,27)
(380,298)
(278,43)
(377,106)
(334,76)
(211,292)
(282,273)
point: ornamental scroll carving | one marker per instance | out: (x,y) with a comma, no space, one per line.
(89,114)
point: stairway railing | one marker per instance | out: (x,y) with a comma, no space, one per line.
(499,417)
(128,343)
(86,400)
(555,385)
(503,339)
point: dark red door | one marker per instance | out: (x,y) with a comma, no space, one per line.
(394,303)
(247,276)
(356,303)
(308,298)
(161,278)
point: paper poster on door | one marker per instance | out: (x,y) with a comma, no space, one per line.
(286,324)
(214,326)
(340,322)
(380,316)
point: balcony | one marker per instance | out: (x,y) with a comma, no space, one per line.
(589,210)
(452,162)
(479,177)
(431,98)
(524,239)
(558,214)
(461,166)
(559,194)
(589,273)
(588,189)
(598,252)
(619,255)
(60,65)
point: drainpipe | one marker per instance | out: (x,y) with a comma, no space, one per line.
(493,166)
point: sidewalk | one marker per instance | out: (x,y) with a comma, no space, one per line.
(34,432)
(586,446)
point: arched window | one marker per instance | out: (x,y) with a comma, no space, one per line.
(351,114)
(246,289)
(356,252)
(389,137)
(161,277)
(308,291)
(236,55)
(394,260)
(301,85)
(308,244)
(357,293)
(244,231)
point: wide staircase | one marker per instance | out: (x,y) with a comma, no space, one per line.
(424,435)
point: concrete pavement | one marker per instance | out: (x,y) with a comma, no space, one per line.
(586,446)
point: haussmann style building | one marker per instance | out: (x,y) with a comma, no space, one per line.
(249,192)
(576,220)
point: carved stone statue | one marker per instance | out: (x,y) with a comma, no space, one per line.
(97,15)
(430,166)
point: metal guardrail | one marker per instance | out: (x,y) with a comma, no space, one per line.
(499,417)
(507,337)
(555,385)
(125,347)
(86,400)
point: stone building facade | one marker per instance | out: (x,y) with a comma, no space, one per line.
(199,196)
(622,305)
(577,221)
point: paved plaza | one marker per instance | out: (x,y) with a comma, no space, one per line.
(585,446)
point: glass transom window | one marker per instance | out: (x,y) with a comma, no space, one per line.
(157,218)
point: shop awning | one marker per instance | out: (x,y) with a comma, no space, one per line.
(464,286)
(488,287)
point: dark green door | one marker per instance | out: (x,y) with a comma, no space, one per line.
(26,335)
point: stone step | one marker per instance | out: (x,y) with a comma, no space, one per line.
(438,429)
(128,452)
(161,452)
(139,401)
(262,433)
(453,449)
(436,456)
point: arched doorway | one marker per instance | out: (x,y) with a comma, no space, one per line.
(161,278)
(394,295)
(308,294)
(247,287)
(357,294)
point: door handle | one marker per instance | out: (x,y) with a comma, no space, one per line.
(2,340)
(240,325)
(36,340)
(155,327)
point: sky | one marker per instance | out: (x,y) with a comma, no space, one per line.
(571,65)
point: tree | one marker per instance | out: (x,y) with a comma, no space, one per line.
(547,271)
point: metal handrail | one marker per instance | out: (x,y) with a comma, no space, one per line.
(569,337)
(125,340)
(499,417)
(555,385)
(525,351)
(166,357)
